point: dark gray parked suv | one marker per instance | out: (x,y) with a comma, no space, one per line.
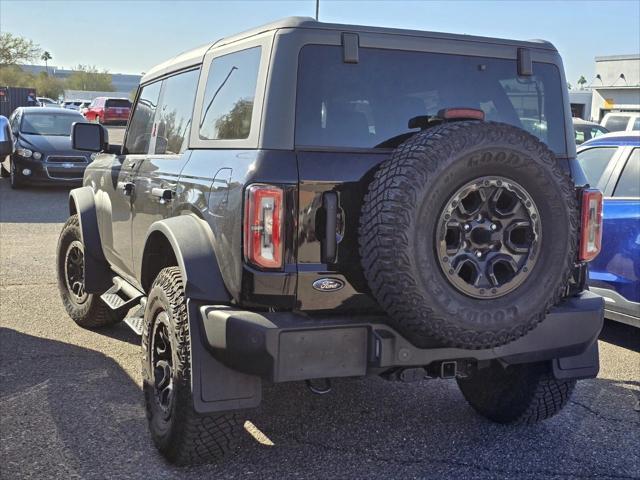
(306,201)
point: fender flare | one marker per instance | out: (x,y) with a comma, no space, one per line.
(97,274)
(192,244)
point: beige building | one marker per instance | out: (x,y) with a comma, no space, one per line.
(615,88)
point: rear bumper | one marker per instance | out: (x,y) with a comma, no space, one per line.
(285,346)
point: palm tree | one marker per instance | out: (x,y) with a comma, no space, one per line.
(582,81)
(45,57)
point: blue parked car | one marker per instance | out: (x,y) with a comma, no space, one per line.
(611,163)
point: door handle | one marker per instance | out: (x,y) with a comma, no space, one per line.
(127,188)
(164,194)
(330,205)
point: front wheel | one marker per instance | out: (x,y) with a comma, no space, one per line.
(86,309)
(4,172)
(182,435)
(516,394)
(14,177)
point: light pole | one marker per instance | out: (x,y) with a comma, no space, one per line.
(317,9)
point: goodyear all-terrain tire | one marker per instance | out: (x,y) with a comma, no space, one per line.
(86,309)
(468,234)
(182,435)
(517,394)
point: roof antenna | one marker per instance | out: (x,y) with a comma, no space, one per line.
(317,9)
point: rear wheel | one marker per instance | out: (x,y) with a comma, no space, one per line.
(182,435)
(86,309)
(516,394)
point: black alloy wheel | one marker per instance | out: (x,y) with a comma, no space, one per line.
(162,364)
(488,237)
(74,272)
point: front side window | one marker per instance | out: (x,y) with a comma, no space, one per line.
(228,100)
(49,124)
(616,123)
(636,124)
(141,125)
(629,182)
(370,102)
(176,107)
(594,161)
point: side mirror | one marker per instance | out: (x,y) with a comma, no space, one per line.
(6,138)
(89,137)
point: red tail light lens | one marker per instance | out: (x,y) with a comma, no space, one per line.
(591,225)
(263,219)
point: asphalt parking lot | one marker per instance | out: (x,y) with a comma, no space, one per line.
(71,403)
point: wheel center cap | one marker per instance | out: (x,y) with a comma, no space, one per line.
(481,236)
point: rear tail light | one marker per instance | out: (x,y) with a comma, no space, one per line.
(591,224)
(263,219)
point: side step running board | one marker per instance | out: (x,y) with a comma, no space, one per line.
(136,319)
(121,297)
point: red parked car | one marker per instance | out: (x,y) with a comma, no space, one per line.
(108,110)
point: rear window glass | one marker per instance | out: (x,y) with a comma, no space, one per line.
(365,104)
(628,184)
(229,96)
(616,123)
(594,161)
(118,103)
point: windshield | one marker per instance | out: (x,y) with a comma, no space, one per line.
(365,104)
(49,124)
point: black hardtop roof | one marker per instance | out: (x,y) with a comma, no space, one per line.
(195,56)
(310,23)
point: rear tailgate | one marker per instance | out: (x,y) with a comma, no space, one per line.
(345,177)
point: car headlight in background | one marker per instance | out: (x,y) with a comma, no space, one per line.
(93,156)
(24,152)
(37,155)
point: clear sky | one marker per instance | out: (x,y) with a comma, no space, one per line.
(131,36)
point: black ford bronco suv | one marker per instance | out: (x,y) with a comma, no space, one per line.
(306,201)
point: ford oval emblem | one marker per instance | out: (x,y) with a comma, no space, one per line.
(328,284)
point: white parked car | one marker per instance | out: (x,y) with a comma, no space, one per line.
(74,104)
(47,102)
(621,121)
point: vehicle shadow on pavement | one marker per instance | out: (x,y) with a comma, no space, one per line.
(68,411)
(622,335)
(33,204)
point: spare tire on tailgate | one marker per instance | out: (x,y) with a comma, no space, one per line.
(468,234)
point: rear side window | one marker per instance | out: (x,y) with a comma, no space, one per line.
(636,124)
(139,131)
(176,107)
(616,123)
(368,103)
(228,100)
(117,103)
(594,162)
(629,182)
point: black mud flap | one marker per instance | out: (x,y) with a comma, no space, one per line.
(585,365)
(215,387)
